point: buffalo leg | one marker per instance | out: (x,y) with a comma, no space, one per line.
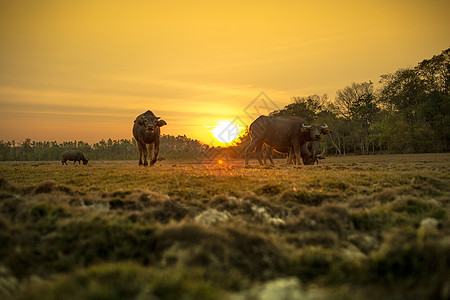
(288,158)
(270,157)
(146,155)
(269,153)
(154,156)
(297,152)
(291,158)
(141,152)
(250,148)
(259,154)
(264,154)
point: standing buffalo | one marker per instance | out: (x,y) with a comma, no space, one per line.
(146,130)
(73,155)
(284,133)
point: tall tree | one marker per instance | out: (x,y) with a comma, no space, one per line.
(304,107)
(421,97)
(357,104)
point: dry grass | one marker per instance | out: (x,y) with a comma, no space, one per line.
(365,224)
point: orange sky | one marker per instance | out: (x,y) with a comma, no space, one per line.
(84,69)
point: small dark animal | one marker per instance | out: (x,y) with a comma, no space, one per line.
(146,130)
(283,133)
(73,155)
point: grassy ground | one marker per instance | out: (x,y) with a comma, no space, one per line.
(364,227)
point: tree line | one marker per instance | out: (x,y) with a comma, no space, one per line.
(172,148)
(407,113)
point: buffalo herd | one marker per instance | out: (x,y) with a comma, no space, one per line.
(290,135)
(283,134)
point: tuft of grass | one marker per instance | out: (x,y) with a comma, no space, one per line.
(325,218)
(6,186)
(44,187)
(6,237)
(222,250)
(423,264)
(322,238)
(418,209)
(123,281)
(44,216)
(250,206)
(270,189)
(63,247)
(163,210)
(374,220)
(338,185)
(116,203)
(324,265)
(8,283)
(310,198)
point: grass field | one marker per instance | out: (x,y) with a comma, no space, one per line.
(362,227)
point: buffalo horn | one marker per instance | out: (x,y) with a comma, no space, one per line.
(325,126)
(321,154)
(306,126)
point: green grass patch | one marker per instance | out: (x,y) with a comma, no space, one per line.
(375,220)
(418,209)
(124,281)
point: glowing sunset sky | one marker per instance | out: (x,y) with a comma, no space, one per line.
(84,69)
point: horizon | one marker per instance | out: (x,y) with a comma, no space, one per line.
(19,142)
(84,70)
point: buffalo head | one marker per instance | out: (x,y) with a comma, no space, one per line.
(312,135)
(149,121)
(313,132)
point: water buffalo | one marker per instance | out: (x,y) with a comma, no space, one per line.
(146,130)
(73,155)
(286,132)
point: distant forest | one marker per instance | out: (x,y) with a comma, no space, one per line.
(172,148)
(407,113)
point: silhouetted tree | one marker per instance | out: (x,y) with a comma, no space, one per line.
(420,97)
(357,104)
(304,107)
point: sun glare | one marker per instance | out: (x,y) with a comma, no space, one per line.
(225,132)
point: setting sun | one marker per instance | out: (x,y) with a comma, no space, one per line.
(226,132)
